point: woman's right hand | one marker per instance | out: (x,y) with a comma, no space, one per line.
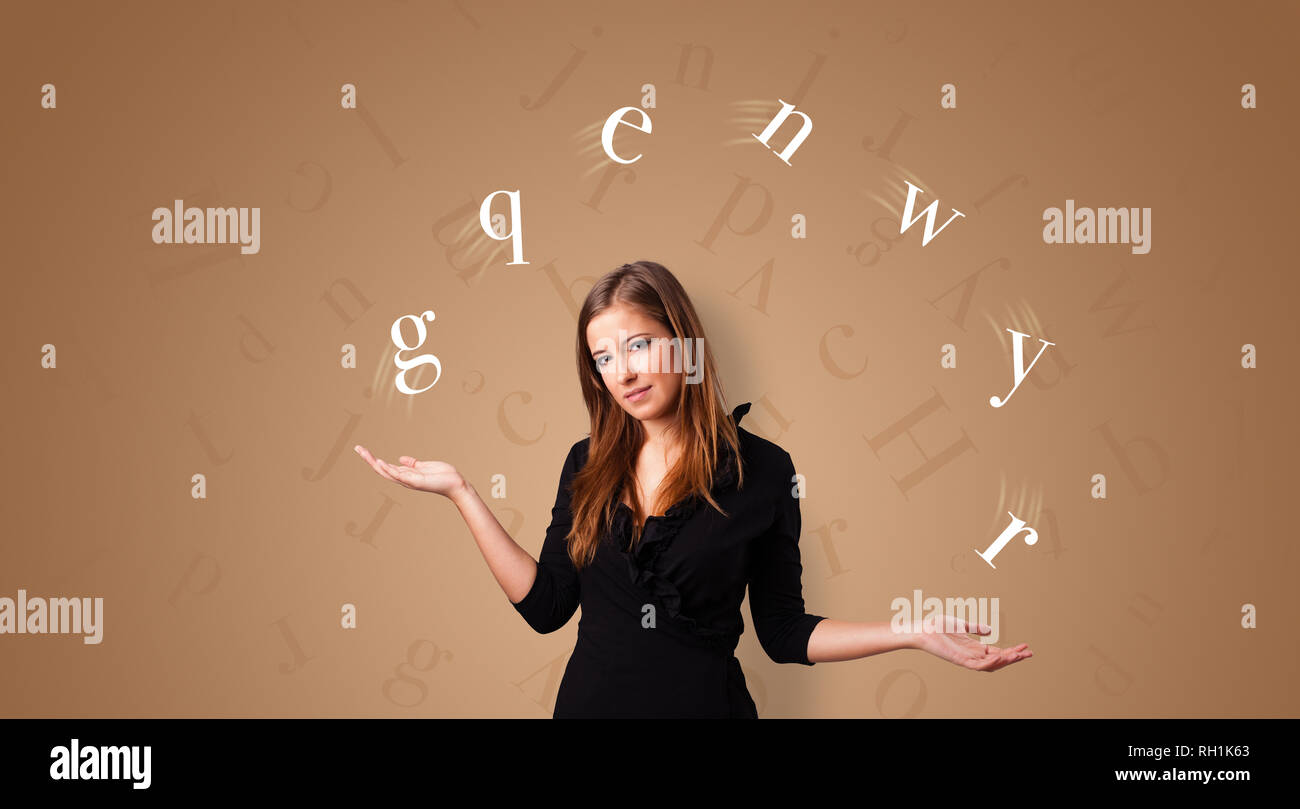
(425,476)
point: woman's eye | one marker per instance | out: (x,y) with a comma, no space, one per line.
(639,341)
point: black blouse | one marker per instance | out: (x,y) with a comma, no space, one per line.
(660,624)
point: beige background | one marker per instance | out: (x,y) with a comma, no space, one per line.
(177,360)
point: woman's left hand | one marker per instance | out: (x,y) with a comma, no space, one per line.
(955,644)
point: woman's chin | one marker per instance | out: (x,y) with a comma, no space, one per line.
(643,408)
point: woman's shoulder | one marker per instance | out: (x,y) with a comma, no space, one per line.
(578,454)
(758,446)
(755,448)
(763,456)
(764,459)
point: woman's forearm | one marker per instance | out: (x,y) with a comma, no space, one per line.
(512,566)
(833,640)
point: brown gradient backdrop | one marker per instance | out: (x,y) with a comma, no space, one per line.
(180,360)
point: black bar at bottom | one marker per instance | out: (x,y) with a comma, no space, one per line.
(209,758)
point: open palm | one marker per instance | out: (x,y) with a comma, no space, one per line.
(952,641)
(425,476)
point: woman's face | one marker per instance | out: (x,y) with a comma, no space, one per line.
(633,355)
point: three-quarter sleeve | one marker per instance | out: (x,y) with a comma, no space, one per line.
(555,594)
(775,580)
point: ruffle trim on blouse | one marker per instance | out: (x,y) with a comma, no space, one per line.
(643,563)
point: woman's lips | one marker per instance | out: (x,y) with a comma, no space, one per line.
(638,394)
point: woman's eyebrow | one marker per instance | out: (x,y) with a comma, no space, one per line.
(630,337)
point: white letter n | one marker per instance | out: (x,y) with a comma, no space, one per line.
(786,110)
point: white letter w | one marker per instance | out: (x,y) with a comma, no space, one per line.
(909,220)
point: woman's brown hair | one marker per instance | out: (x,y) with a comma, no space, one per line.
(703,426)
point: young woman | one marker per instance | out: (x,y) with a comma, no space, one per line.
(664,516)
